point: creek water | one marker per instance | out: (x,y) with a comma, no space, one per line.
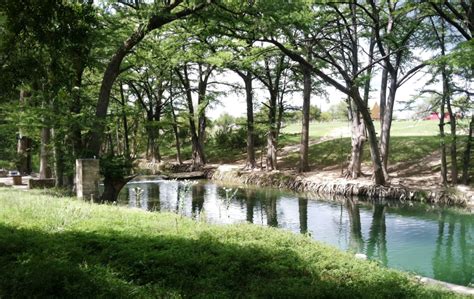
(427,240)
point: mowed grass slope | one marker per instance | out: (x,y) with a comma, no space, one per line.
(410,141)
(62,247)
(334,128)
(336,151)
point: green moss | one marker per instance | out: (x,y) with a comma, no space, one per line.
(63,247)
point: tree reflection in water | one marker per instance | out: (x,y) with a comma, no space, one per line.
(154,204)
(271,209)
(377,242)
(303,213)
(250,197)
(446,262)
(197,199)
(356,243)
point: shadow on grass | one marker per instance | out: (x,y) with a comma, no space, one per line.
(83,265)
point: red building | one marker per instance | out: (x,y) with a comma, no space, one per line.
(435,116)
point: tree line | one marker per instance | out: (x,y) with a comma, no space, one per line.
(94,80)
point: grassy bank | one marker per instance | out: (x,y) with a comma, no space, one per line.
(337,151)
(61,247)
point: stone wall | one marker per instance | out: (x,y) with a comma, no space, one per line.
(87,178)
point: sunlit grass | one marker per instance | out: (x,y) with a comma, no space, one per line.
(402,149)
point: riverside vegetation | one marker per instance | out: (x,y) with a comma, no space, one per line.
(59,247)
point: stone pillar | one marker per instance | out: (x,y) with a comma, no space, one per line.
(87,178)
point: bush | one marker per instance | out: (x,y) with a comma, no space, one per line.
(112,166)
(230,138)
(237,138)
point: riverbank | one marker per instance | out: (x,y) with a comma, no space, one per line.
(331,183)
(52,246)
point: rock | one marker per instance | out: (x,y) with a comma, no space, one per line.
(360,256)
(187,175)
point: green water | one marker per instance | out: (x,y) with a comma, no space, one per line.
(427,240)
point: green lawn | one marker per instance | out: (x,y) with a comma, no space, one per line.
(316,129)
(402,149)
(399,128)
(410,141)
(62,247)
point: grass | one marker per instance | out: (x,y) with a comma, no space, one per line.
(316,129)
(399,128)
(63,247)
(402,149)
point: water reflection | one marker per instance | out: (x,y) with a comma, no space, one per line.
(377,243)
(250,198)
(432,242)
(356,243)
(270,203)
(453,234)
(197,199)
(303,214)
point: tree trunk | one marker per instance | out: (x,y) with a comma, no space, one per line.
(379,176)
(125,123)
(304,146)
(383,93)
(198,153)
(198,156)
(112,187)
(45,170)
(75,109)
(387,123)
(152,132)
(272,133)
(157,119)
(118,140)
(59,158)
(357,142)
(24,145)
(247,77)
(176,134)
(157,155)
(467,153)
(446,98)
(444,167)
(281,110)
(386,64)
(452,124)
(24,154)
(203,102)
(358,133)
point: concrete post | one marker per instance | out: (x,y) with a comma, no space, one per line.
(87,178)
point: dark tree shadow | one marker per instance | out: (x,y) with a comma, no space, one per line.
(36,264)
